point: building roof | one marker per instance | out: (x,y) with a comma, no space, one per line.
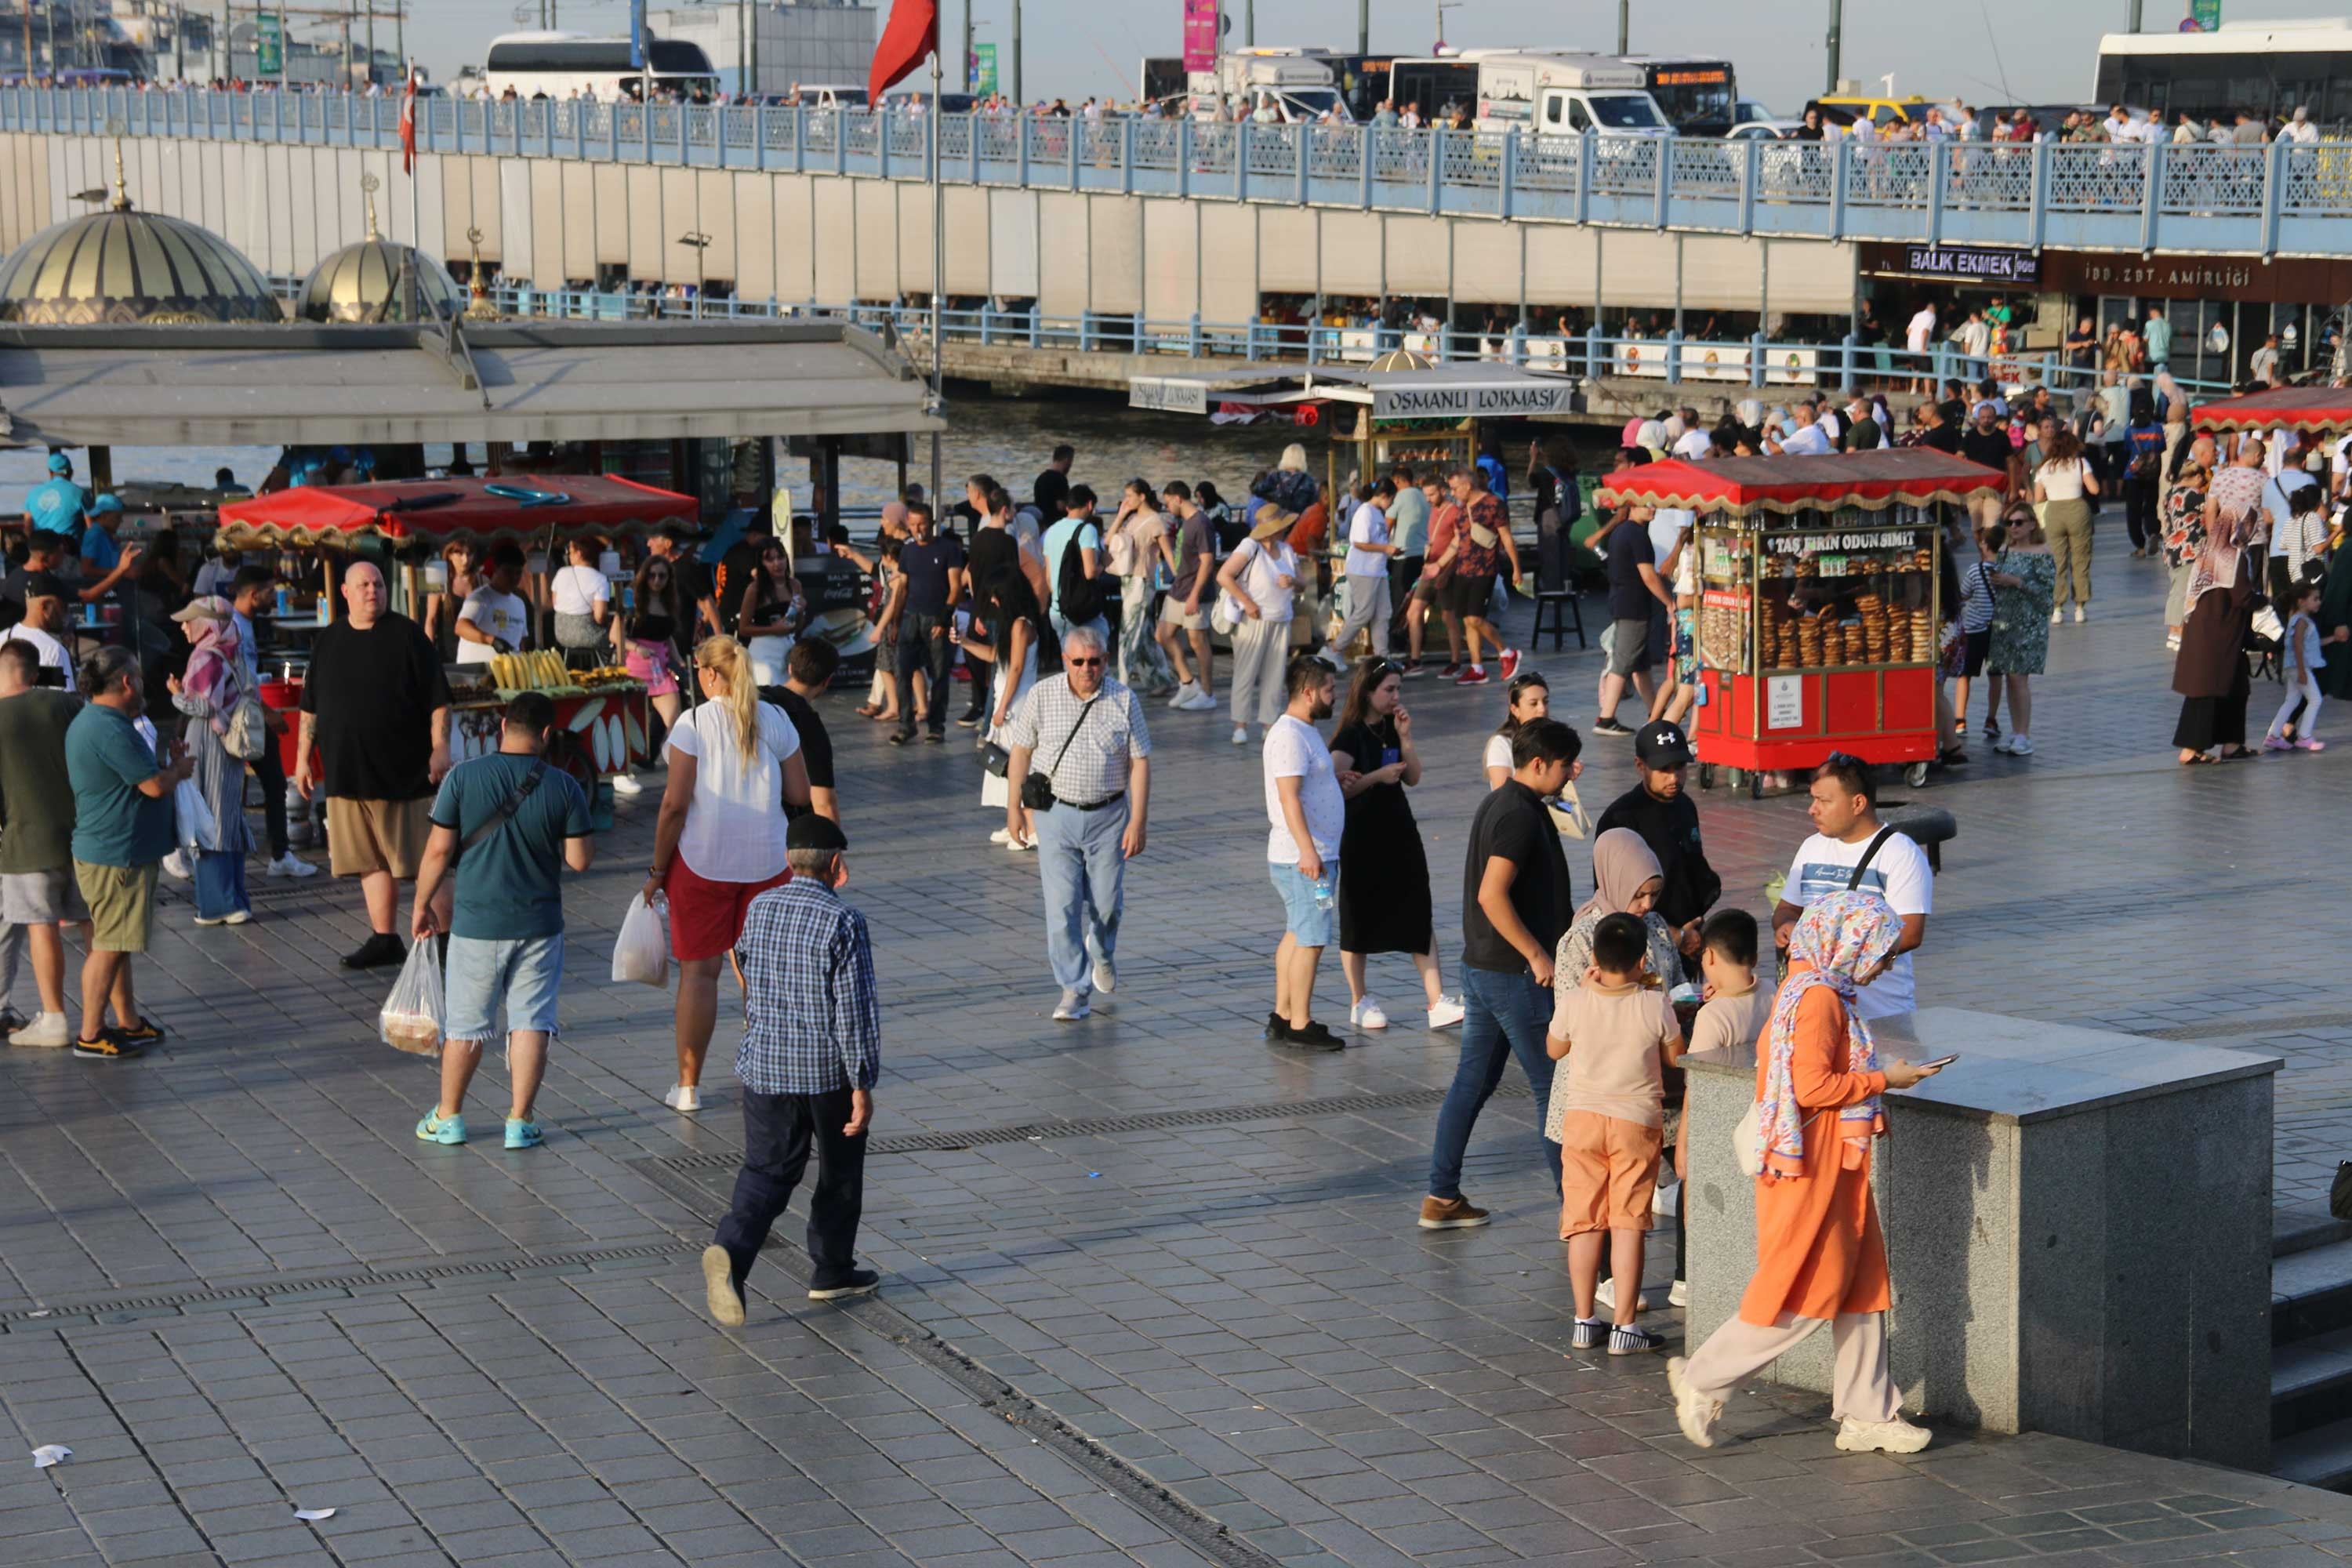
(338,384)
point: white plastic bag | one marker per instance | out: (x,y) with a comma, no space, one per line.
(412,1016)
(641,951)
(194,817)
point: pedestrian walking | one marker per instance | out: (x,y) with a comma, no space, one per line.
(375,711)
(718,841)
(1384,893)
(1183,631)
(2020,646)
(1259,585)
(1821,1256)
(1007,646)
(252,587)
(1075,566)
(2289,731)
(122,831)
(933,566)
(1850,850)
(1482,546)
(206,696)
(1087,808)
(647,635)
(1137,539)
(38,896)
(1367,569)
(808,671)
(1629,558)
(2062,487)
(1516,903)
(2184,528)
(811,1055)
(1307,817)
(2209,670)
(509,826)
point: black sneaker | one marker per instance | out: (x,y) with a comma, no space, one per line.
(145,1035)
(107,1048)
(969,720)
(11,1021)
(935,737)
(1275,1027)
(1609,727)
(856,1282)
(900,737)
(1315,1036)
(378,951)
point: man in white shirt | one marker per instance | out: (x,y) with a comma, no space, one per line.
(1304,812)
(494,619)
(1369,549)
(1916,337)
(2278,501)
(1975,335)
(1845,812)
(1695,441)
(1807,440)
(45,617)
(2300,130)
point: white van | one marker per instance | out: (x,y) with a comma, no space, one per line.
(1289,87)
(1565,95)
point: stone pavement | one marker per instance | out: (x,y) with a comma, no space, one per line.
(1153,1292)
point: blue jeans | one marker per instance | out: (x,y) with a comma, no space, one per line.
(1504,1015)
(220,884)
(1084,871)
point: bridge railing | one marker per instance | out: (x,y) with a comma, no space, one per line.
(2193,198)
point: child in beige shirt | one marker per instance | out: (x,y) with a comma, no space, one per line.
(1737,1007)
(1608,1112)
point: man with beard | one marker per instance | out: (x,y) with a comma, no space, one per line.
(1306,811)
(1668,819)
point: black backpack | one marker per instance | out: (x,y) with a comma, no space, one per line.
(1077,598)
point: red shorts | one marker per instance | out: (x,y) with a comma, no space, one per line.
(706,918)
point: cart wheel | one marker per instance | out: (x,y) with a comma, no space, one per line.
(1755,783)
(1916,774)
(1706,775)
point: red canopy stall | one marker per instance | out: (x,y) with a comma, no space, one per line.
(1816,629)
(2322,410)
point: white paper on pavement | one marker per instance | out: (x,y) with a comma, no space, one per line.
(48,1454)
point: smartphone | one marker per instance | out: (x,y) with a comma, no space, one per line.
(1942,1061)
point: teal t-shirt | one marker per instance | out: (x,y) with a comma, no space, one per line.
(114,824)
(507,886)
(58,505)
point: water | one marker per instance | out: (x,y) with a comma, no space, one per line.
(1009,437)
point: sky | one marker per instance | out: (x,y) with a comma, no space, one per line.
(2021,51)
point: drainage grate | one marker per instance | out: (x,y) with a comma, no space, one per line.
(305,1287)
(1112,1126)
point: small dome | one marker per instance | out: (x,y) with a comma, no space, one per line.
(364,282)
(125,266)
(1401,358)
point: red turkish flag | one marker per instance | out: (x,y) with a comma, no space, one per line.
(408,125)
(913,31)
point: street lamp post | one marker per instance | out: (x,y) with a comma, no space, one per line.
(1837,20)
(698,242)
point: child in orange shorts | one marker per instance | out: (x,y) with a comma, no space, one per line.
(1608,1114)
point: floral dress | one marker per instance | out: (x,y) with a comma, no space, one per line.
(2184,524)
(2020,617)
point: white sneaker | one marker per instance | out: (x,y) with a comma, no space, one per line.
(1662,1196)
(626,784)
(1106,977)
(1694,1413)
(1368,1014)
(1678,1294)
(45,1029)
(175,864)
(290,865)
(1606,1297)
(2057,615)
(2081,614)
(1072,1008)
(1020,846)
(1446,1013)
(1200,702)
(1241,734)
(2021,745)
(1001,836)
(681,1097)
(1896,1436)
(2003,744)
(1185,692)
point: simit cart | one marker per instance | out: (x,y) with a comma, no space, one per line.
(1816,627)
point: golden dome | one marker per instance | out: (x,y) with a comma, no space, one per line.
(123,266)
(364,282)
(1401,358)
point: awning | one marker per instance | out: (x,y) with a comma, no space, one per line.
(1739,487)
(440,509)
(349,384)
(1463,390)
(2280,408)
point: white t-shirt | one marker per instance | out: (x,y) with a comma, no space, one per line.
(735,826)
(1806,441)
(1264,561)
(215,576)
(1369,526)
(2278,498)
(1667,524)
(578,590)
(1295,749)
(1497,753)
(2060,481)
(1898,873)
(53,652)
(1922,329)
(1693,444)
(503,616)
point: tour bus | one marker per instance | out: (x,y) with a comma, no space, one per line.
(555,65)
(1699,96)
(2269,69)
(1296,85)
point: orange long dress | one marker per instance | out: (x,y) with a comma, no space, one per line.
(1818,1250)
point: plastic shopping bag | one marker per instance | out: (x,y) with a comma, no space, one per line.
(411,1019)
(194,818)
(641,953)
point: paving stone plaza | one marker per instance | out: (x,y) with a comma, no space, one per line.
(1152,1293)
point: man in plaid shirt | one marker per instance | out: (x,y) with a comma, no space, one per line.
(811,1052)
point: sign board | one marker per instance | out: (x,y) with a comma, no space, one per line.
(1168,393)
(982,71)
(269,43)
(1701,361)
(1784,701)
(1499,400)
(2206,14)
(1201,35)
(1968,263)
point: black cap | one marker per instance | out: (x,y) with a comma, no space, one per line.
(815,831)
(43,585)
(1659,744)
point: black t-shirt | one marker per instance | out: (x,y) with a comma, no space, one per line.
(927,566)
(1942,438)
(373,693)
(12,586)
(1630,550)
(731,576)
(1513,824)
(1955,415)
(1990,447)
(993,550)
(1670,827)
(816,746)
(1052,486)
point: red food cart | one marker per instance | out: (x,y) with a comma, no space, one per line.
(2307,410)
(1817,629)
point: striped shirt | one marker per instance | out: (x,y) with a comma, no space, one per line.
(812,1019)
(1094,766)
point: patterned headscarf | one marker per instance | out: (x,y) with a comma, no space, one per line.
(1840,937)
(212,678)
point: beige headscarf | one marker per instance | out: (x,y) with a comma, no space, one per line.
(1622,862)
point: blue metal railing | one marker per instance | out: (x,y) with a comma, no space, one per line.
(1731,367)
(2188,199)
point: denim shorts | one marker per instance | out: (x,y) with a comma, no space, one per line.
(1307,926)
(525,973)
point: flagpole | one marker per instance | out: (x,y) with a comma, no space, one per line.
(939,268)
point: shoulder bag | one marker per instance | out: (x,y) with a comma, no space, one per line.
(1037,788)
(1225,615)
(1853,883)
(507,809)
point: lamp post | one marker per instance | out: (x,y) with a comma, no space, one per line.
(699,242)
(1837,20)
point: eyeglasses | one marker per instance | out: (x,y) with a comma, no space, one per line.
(1083,663)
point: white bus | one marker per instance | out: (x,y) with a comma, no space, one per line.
(2267,68)
(556,64)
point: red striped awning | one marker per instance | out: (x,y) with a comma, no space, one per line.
(1739,487)
(437,510)
(2279,408)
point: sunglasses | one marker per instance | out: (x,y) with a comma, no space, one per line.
(1084,663)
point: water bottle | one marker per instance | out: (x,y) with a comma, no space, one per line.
(285,603)
(1326,889)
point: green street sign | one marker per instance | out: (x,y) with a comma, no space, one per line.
(269,43)
(2206,15)
(983,68)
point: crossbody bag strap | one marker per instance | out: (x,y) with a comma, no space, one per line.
(1854,881)
(506,807)
(1073,735)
